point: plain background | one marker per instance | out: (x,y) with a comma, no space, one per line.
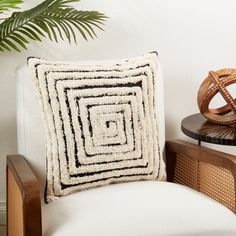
(191,37)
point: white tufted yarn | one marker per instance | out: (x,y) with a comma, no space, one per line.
(100,120)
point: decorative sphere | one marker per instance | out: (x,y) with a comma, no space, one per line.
(217,82)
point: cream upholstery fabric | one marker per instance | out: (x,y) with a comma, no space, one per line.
(138,209)
(30,130)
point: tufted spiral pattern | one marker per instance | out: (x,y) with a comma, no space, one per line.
(100,122)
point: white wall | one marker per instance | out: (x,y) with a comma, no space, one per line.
(191,36)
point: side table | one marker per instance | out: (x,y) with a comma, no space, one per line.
(198,127)
(210,178)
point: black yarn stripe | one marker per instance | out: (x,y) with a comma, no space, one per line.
(108,170)
(114,161)
(80,122)
(91,130)
(71,125)
(94,70)
(115,77)
(68,107)
(65,186)
(90,155)
(82,136)
(87,87)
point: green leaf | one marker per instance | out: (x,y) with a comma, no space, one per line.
(7,4)
(52,19)
(3,46)
(11,44)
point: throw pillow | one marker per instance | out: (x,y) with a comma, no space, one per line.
(100,120)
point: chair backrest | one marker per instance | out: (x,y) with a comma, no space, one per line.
(30,127)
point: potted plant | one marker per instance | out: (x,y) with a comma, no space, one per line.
(55,19)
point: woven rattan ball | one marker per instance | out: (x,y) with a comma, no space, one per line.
(217,82)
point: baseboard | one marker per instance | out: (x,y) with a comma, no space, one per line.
(3,214)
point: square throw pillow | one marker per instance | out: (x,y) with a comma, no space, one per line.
(100,120)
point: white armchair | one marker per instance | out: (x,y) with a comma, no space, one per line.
(139,208)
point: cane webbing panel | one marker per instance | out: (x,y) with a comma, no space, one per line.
(216,182)
(186,171)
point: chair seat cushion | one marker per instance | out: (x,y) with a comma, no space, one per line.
(144,208)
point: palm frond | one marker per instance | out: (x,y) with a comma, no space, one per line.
(7,4)
(52,18)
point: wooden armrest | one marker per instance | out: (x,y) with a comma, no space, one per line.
(203,169)
(23,199)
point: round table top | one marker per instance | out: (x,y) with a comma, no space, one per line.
(198,127)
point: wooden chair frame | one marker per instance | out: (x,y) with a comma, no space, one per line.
(23,188)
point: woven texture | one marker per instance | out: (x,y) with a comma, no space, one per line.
(211,180)
(101,122)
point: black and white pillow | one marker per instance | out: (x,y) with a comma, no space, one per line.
(101,122)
